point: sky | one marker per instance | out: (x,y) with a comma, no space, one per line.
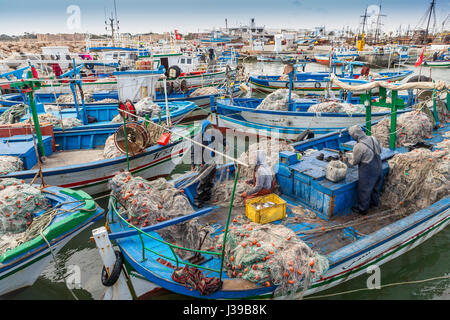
(141,16)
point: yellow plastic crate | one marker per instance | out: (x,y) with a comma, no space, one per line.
(265,215)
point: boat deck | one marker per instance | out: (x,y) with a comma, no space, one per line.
(73,157)
(308,228)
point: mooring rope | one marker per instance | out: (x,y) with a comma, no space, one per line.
(381,287)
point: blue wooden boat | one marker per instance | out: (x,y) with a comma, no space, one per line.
(81,165)
(317,82)
(241,115)
(21,266)
(350,250)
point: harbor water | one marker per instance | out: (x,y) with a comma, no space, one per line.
(429,260)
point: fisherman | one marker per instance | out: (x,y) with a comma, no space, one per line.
(206,160)
(262,182)
(365,71)
(366,154)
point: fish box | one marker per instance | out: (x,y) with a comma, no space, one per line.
(22,146)
(9,130)
(265,214)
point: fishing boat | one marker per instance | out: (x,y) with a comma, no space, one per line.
(79,162)
(351,243)
(437,64)
(339,53)
(317,82)
(277,58)
(244,116)
(21,266)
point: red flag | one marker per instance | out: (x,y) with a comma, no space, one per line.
(420,59)
(177,35)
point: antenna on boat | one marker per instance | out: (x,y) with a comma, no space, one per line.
(113,23)
(377,31)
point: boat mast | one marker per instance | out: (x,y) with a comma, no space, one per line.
(377,31)
(431,10)
(113,23)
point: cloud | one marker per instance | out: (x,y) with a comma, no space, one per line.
(296,2)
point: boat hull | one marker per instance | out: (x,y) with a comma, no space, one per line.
(21,269)
(346,263)
(285,125)
(93,177)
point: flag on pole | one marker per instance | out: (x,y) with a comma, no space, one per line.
(420,59)
(177,35)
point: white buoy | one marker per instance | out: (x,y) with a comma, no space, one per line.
(120,290)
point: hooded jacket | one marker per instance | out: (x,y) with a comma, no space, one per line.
(362,151)
(263,174)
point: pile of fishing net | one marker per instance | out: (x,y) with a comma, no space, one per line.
(18,202)
(342,107)
(145,203)
(110,150)
(146,106)
(68,98)
(71,123)
(204,91)
(223,188)
(271,254)
(117,118)
(412,127)
(277,100)
(441,108)
(10,164)
(56,122)
(107,100)
(272,148)
(153,132)
(418,178)
(13,114)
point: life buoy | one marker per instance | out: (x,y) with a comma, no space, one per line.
(173,72)
(128,106)
(317,85)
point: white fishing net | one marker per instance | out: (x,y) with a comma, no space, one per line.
(13,114)
(56,122)
(107,100)
(117,118)
(277,100)
(18,202)
(68,98)
(146,106)
(204,91)
(153,132)
(10,164)
(110,150)
(418,178)
(146,203)
(412,127)
(336,171)
(271,254)
(343,107)
(71,123)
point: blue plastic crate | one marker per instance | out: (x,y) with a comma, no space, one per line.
(22,146)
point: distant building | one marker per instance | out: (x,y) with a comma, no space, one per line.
(60,37)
